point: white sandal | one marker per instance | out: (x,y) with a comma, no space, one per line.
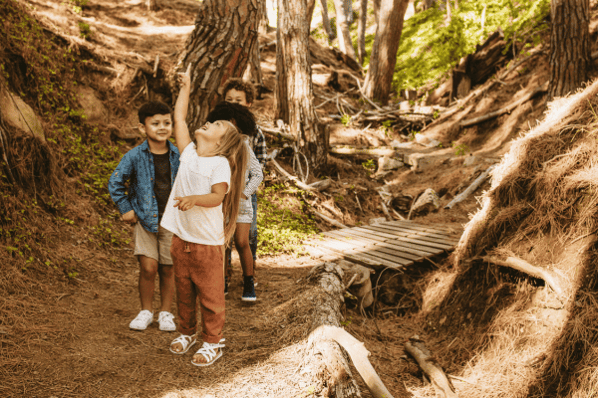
(185,341)
(211,352)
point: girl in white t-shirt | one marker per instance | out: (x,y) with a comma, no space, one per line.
(205,193)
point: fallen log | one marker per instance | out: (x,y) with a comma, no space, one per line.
(470,189)
(426,361)
(536,272)
(289,177)
(506,109)
(360,285)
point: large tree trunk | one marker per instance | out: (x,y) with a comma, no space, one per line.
(326,21)
(294,90)
(342,29)
(569,46)
(361,26)
(151,5)
(383,59)
(219,48)
(376,10)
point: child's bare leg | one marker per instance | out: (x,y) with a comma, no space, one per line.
(148,268)
(242,245)
(166,273)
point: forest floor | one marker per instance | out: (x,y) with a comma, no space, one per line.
(77,342)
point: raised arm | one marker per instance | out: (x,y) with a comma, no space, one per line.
(181,131)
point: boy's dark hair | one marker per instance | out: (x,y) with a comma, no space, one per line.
(239,114)
(153,108)
(239,84)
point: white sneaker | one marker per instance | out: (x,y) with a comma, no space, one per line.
(166,321)
(142,320)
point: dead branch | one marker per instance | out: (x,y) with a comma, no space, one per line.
(359,355)
(531,270)
(506,109)
(417,349)
(470,189)
(372,151)
(329,220)
(277,133)
(289,177)
(156,63)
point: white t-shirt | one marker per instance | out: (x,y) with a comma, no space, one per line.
(196,175)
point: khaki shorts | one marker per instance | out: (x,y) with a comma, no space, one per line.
(154,246)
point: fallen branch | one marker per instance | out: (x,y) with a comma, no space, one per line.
(373,151)
(295,180)
(359,355)
(425,360)
(506,109)
(531,270)
(470,189)
(156,63)
(321,185)
(329,220)
(277,133)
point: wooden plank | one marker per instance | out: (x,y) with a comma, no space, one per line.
(375,251)
(409,239)
(410,248)
(428,231)
(389,257)
(348,235)
(383,246)
(365,259)
(415,235)
(419,249)
(393,229)
(411,224)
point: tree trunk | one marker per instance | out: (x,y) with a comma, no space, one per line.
(569,46)
(376,11)
(219,48)
(326,21)
(294,90)
(361,26)
(151,5)
(342,29)
(383,59)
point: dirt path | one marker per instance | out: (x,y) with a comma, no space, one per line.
(83,347)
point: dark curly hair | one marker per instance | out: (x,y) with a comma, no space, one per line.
(153,108)
(240,115)
(239,84)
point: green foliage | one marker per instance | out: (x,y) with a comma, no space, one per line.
(460,149)
(369,165)
(430,47)
(345,119)
(84,30)
(281,224)
(386,127)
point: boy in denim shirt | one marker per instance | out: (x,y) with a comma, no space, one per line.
(140,186)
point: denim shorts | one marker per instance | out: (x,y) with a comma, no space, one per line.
(245,215)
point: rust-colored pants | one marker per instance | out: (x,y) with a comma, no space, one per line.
(198,270)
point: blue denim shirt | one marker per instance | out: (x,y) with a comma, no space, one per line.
(137,168)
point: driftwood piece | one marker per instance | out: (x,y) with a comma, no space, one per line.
(506,109)
(359,356)
(427,362)
(372,151)
(471,188)
(529,269)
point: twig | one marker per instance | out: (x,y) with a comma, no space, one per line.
(292,178)
(470,189)
(156,62)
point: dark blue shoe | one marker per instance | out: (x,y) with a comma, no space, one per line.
(248,289)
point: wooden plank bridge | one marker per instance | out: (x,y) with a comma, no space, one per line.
(393,244)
